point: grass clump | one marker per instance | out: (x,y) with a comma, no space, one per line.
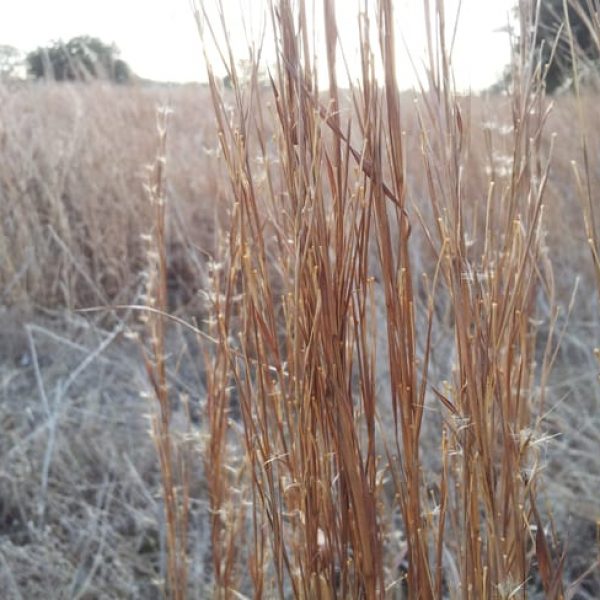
(318,287)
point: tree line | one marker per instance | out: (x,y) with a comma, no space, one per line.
(83,58)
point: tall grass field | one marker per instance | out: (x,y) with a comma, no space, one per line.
(298,333)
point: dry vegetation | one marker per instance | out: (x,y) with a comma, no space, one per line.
(377,378)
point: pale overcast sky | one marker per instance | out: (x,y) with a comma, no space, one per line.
(159,38)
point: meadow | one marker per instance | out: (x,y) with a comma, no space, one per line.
(288,338)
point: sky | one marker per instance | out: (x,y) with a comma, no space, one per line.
(159,38)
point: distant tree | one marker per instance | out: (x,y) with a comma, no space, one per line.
(11,60)
(552,33)
(81,58)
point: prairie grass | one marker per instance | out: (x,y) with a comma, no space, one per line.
(73,201)
(319,250)
(397,392)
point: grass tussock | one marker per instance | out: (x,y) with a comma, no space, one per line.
(320,248)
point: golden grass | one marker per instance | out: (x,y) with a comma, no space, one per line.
(74,208)
(322,233)
(382,292)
